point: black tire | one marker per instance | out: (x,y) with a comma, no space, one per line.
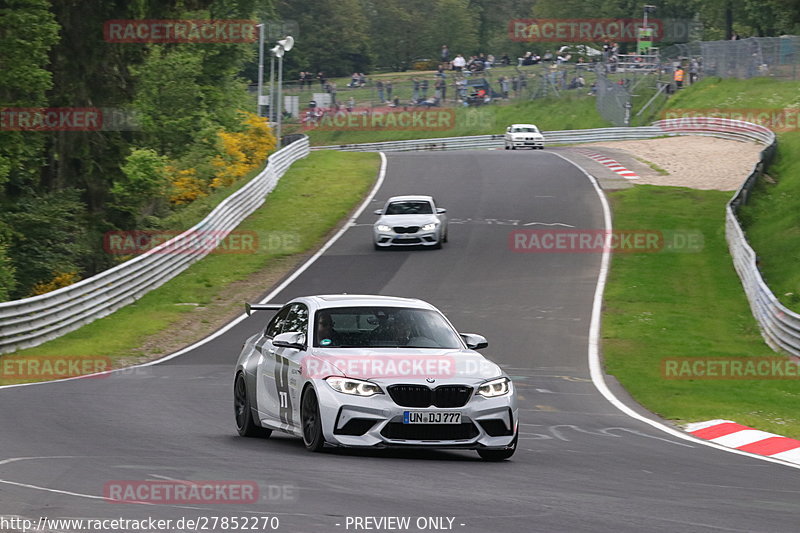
(312,421)
(376,246)
(245,424)
(494,456)
(506,147)
(444,239)
(513,147)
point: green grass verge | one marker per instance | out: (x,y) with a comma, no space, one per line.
(311,198)
(772,218)
(565,113)
(670,304)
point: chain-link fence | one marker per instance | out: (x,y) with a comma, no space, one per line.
(776,57)
(613,98)
(426,89)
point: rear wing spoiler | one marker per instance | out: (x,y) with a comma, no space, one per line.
(249,308)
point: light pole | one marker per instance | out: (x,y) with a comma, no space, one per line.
(285,45)
(260,67)
(274,51)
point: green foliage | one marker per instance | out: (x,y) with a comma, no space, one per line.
(7,278)
(48,236)
(334,39)
(24,79)
(142,188)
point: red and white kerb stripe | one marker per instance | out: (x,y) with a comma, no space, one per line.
(611,164)
(747,439)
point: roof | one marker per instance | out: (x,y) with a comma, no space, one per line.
(410,197)
(347,300)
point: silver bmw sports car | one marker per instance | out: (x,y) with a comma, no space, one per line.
(410,221)
(372,371)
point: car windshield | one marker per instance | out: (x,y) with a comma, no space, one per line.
(383,327)
(526,130)
(409,207)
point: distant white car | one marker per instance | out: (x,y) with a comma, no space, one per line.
(410,221)
(523,136)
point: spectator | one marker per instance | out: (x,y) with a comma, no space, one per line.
(489,61)
(351,104)
(441,89)
(362,79)
(445,54)
(389,87)
(423,87)
(694,68)
(678,77)
(321,79)
(461,87)
(459,63)
(505,60)
(503,86)
(302,79)
(415,90)
(379,87)
(353,80)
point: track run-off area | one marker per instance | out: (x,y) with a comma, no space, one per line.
(589,459)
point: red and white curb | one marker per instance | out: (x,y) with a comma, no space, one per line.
(611,164)
(747,439)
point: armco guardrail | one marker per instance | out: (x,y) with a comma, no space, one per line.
(32,321)
(779,325)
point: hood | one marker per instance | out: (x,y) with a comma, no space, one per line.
(406,364)
(407,220)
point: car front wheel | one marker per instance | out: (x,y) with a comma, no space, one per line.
(312,422)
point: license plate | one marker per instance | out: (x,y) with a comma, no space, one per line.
(431,417)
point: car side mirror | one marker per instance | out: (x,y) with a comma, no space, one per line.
(508,129)
(473,341)
(441,210)
(291,339)
(378,211)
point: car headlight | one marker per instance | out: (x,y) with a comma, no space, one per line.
(384,227)
(429,227)
(356,387)
(496,387)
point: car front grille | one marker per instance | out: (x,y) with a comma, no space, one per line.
(447,396)
(414,240)
(400,431)
(406,229)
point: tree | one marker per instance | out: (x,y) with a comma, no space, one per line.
(334,37)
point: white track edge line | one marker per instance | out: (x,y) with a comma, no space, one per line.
(595,368)
(237,320)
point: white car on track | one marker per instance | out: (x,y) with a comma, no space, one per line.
(375,372)
(410,221)
(523,136)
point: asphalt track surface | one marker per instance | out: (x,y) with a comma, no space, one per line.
(582,465)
